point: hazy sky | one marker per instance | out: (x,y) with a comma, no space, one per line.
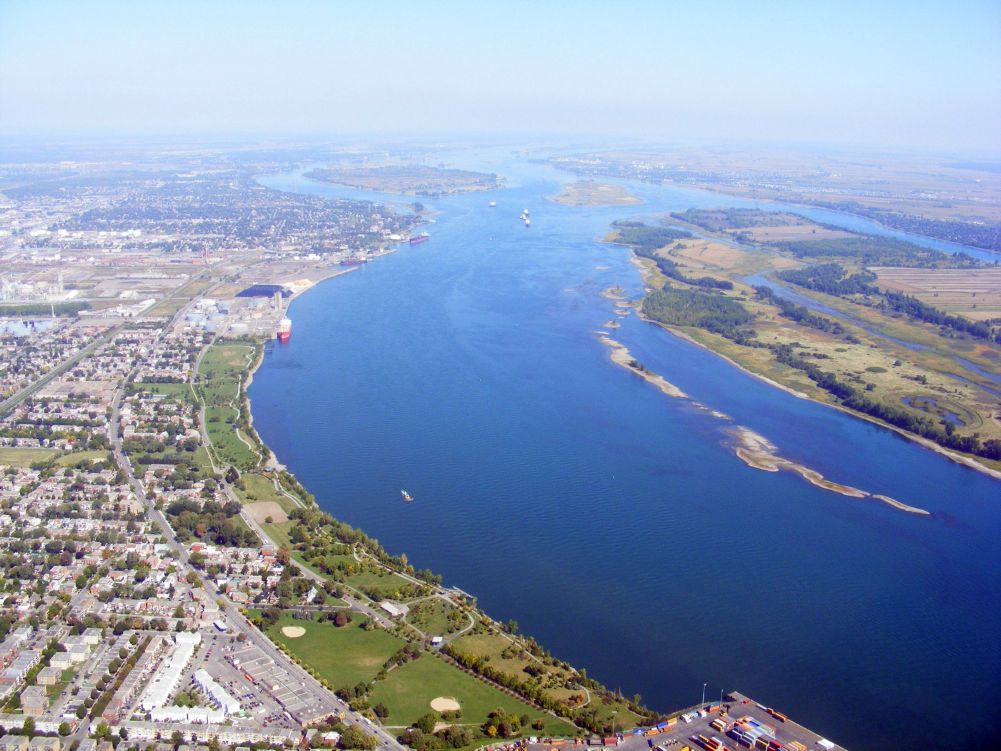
(907,73)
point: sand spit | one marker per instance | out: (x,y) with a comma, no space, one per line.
(753,449)
(758,452)
(611,324)
(614,293)
(621,355)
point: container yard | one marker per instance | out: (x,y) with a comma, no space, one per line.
(737,723)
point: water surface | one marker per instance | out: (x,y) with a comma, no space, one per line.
(613,523)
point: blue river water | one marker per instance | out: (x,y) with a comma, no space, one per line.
(615,524)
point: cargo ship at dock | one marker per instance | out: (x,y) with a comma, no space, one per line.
(284,330)
(423,237)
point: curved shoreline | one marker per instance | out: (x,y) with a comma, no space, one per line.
(924,442)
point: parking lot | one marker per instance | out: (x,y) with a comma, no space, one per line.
(267,680)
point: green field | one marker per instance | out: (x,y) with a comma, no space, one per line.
(343,656)
(260,488)
(409,689)
(25,457)
(381,583)
(67,460)
(179,391)
(431,617)
(220,374)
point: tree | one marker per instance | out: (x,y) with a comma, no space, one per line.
(28,728)
(381,711)
(427,722)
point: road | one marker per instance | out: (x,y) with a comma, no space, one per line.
(12,401)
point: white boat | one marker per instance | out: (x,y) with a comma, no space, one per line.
(406,496)
(493,204)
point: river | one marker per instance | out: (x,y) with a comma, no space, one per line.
(615,524)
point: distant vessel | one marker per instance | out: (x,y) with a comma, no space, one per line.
(524,212)
(423,237)
(406,496)
(353,262)
(528,222)
(285,330)
(493,204)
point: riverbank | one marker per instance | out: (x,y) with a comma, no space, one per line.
(654,279)
(552,703)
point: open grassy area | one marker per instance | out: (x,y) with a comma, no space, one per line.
(259,488)
(178,391)
(408,692)
(343,656)
(70,459)
(179,298)
(278,532)
(591,193)
(381,583)
(973,293)
(219,377)
(25,457)
(432,617)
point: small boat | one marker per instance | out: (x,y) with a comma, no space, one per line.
(406,496)
(528,222)
(493,204)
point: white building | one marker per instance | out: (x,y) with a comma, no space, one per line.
(165,682)
(219,695)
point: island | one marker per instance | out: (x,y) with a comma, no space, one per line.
(407,179)
(851,320)
(591,193)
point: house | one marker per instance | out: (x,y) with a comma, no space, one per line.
(14,743)
(43,743)
(49,676)
(61,660)
(34,701)
(395,610)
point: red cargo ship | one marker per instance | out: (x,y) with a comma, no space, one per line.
(285,330)
(423,237)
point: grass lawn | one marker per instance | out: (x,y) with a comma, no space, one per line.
(278,533)
(220,426)
(25,457)
(384,584)
(409,689)
(431,617)
(260,488)
(178,391)
(492,646)
(344,656)
(67,460)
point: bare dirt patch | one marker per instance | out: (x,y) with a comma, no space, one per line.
(709,254)
(795,232)
(293,632)
(445,704)
(261,510)
(974,293)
